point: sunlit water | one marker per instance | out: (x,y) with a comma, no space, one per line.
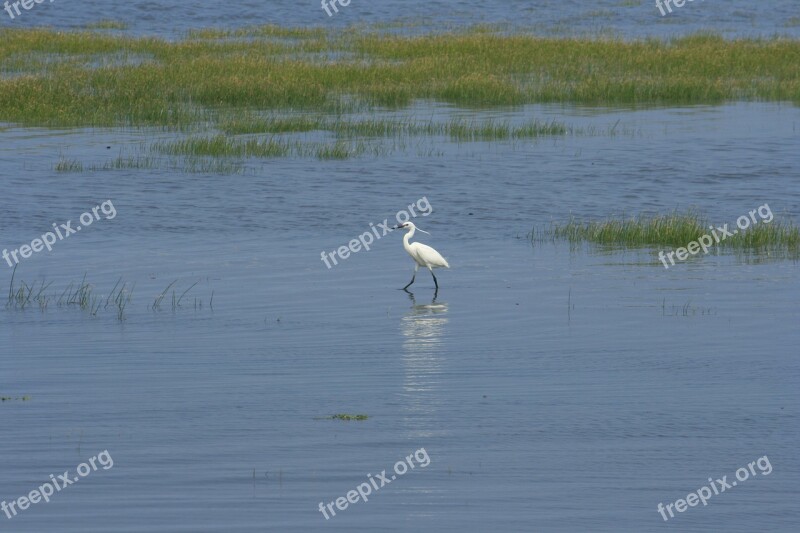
(554,389)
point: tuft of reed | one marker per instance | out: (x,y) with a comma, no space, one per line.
(68,165)
(23,295)
(121,162)
(339,150)
(121,299)
(176,299)
(160,298)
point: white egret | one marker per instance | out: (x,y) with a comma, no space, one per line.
(422,254)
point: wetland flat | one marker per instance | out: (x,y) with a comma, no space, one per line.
(560,379)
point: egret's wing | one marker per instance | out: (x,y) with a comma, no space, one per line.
(429,256)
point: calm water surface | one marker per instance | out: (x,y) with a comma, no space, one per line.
(634,18)
(554,389)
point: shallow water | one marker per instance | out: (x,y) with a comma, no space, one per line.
(636,18)
(553,388)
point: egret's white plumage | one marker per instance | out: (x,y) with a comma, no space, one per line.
(422,254)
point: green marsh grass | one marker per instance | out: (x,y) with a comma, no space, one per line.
(458,129)
(280,81)
(674,229)
(222,146)
(493,131)
(189,164)
(354,137)
(271,68)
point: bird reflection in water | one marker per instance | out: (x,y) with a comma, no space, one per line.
(423,329)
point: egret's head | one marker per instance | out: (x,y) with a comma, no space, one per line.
(408,226)
(405,225)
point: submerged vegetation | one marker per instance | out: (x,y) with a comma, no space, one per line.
(674,229)
(25,398)
(345,416)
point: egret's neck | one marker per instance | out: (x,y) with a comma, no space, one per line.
(407,237)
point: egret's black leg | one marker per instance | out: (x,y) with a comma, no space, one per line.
(410,282)
(435,281)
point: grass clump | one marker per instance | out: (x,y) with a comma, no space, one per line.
(674,229)
(460,130)
(222,146)
(22,295)
(68,165)
(457,129)
(348,417)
